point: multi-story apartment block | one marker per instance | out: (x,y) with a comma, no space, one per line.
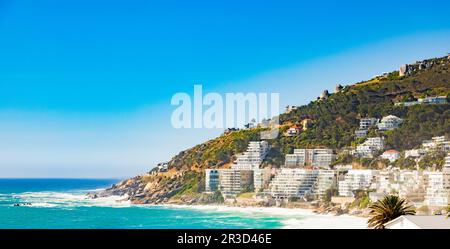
(387,182)
(391,155)
(211,180)
(321,158)
(364,125)
(389,123)
(437,193)
(361,133)
(233,181)
(356,180)
(300,183)
(438,186)
(415,153)
(293,183)
(261,178)
(369,147)
(253,157)
(437,143)
(326,180)
(412,186)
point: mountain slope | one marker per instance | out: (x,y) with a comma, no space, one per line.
(333,121)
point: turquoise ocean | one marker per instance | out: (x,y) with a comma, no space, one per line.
(62,203)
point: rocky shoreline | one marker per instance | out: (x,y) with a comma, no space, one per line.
(138,192)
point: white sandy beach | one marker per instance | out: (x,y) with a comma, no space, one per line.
(293,218)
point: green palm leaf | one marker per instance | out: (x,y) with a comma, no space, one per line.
(387,209)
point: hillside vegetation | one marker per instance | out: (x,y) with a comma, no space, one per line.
(333,121)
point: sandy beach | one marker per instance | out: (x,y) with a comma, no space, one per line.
(293,218)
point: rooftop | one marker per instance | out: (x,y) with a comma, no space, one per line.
(392,151)
(424,221)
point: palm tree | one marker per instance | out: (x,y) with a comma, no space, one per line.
(387,209)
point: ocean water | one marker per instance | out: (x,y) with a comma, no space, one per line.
(62,203)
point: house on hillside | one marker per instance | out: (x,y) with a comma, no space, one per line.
(389,122)
(293,131)
(391,155)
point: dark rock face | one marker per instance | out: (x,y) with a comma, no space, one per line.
(139,190)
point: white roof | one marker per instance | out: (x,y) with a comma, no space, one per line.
(424,221)
(391,117)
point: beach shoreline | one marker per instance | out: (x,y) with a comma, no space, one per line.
(293,218)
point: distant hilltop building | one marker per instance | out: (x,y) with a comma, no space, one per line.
(404,70)
(408,69)
(432,100)
(324,94)
(338,88)
(291,108)
(229,130)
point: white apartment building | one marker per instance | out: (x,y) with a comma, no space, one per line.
(413,186)
(438,187)
(369,147)
(387,182)
(364,125)
(253,157)
(361,133)
(326,179)
(433,100)
(416,153)
(437,193)
(356,180)
(437,143)
(233,181)
(389,123)
(321,158)
(261,178)
(294,182)
(391,155)
(375,142)
(211,180)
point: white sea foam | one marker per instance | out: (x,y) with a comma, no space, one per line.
(290,217)
(274,211)
(66,199)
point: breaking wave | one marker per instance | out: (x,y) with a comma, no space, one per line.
(68,200)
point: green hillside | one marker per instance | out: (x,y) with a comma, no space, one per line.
(333,121)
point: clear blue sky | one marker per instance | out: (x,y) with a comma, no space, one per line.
(85,86)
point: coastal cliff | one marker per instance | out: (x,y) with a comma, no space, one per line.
(332,120)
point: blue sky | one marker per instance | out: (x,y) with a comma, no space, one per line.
(85,86)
